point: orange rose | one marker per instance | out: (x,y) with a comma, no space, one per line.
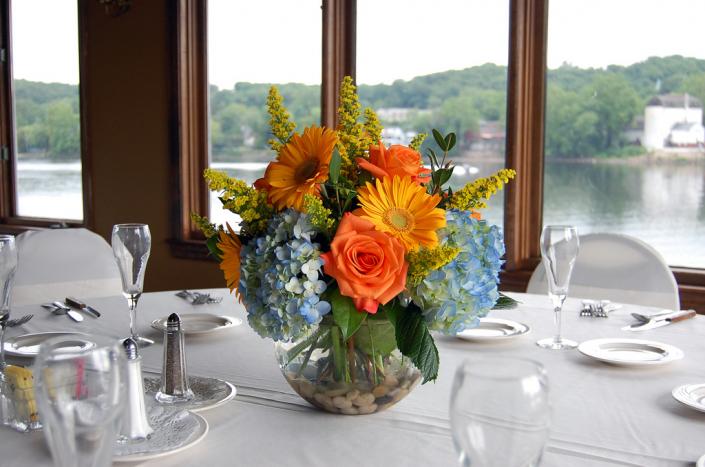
(397,160)
(368,265)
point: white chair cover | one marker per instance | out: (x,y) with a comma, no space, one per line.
(620,268)
(57,263)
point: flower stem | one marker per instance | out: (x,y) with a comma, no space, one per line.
(351,357)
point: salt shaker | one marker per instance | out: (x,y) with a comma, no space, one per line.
(174,386)
(135,426)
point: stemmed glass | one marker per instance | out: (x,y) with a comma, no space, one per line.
(131,246)
(80,394)
(559,249)
(8,266)
(499,412)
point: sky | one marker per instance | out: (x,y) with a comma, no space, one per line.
(280,40)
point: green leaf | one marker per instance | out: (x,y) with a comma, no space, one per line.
(376,337)
(433,158)
(345,314)
(334,168)
(505,303)
(440,141)
(414,340)
(444,175)
(212,244)
(450,141)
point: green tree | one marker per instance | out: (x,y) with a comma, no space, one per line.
(571,127)
(695,86)
(63,129)
(614,101)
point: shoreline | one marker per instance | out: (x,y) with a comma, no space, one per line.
(653,158)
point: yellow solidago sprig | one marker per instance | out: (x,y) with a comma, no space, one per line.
(321,217)
(355,138)
(204,225)
(424,260)
(417,141)
(279,120)
(250,204)
(373,128)
(473,195)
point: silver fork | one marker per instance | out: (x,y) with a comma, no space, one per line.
(11,323)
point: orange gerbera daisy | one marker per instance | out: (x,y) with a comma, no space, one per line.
(229,244)
(403,209)
(300,168)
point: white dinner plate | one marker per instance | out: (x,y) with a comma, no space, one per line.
(491,329)
(174,431)
(701,461)
(692,395)
(630,352)
(200,323)
(27,345)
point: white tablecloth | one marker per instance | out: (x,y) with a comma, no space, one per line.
(602,415)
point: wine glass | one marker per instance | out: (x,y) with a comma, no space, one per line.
(80,393)
(131,246)
(499,412)
(8,266)
(559,249)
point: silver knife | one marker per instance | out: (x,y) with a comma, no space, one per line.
(657,323)
(78,304)
(74,315)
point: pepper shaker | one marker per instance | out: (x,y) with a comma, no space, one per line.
(174,385)
(135,426)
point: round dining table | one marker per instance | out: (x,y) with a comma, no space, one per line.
(602,414)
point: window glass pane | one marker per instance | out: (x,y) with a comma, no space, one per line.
(441,65)
(250,48)
(47,112)
(624,122)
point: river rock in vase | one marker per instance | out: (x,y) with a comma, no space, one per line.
(362,375)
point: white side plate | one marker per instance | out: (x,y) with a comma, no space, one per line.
(27,345)
(692,395)
(173,432)
(701,461)
(207,392)
(491,329)
(200,323)
(630,352)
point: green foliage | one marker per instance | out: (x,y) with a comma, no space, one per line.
(47,119)
(414,340)
(345,314)
(376,337)
(586,113)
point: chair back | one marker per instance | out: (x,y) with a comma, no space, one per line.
(57,263)
(620,268)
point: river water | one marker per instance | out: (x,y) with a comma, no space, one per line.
(661,203)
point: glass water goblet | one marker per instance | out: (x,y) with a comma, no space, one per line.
(499,412)
(80,393)
(559,249)
(131,246)
(8,266)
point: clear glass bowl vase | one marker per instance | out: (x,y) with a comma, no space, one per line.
(363,375)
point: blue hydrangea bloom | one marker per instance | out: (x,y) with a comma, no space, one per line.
(281,278)
(454,297)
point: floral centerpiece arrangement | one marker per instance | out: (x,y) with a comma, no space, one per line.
(349,253)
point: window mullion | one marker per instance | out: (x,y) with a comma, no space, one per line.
(525,129)
(339,36)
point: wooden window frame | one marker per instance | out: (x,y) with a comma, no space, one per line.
(10,221)
(526,91)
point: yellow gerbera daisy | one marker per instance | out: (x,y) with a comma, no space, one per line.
(403,209)
(300,168)
(229,244)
